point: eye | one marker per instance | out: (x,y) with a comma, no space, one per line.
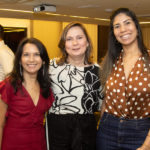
(128,22)
(25,54)
(37,54)
(116,26)
(68,39)
(79,37)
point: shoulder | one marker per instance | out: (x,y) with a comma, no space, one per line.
(93,68)
(54,66)
(6,90)
(96,65)
(5,85)
(54,61)
(6,51)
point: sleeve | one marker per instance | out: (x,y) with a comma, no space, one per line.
(3,91)
(7,61)
(100,92)
(100,89)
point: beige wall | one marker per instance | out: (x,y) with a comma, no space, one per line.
(48,32)
(93,33)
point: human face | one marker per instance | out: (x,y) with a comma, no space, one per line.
(125,30)
(76,43)
(30,59)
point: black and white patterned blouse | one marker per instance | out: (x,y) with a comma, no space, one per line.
(77,90)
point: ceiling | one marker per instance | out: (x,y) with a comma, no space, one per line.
(94,11)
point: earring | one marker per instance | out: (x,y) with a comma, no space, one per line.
(20,70)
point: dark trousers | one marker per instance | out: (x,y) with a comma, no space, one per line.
(121,134)
(71,132)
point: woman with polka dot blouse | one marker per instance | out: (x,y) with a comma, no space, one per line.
(125,121)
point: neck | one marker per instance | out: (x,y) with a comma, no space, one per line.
(30,79)
(76,61)
(131,50)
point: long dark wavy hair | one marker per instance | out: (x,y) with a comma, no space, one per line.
(16,77)
(62,42)
(114,47)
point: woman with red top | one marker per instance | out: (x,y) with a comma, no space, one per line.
(25,97)
(125,121)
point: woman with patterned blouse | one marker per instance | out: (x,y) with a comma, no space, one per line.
(125,121)
(77,91)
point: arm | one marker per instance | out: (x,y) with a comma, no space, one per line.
(146,144)
(7,61)
(102,108)
(3,109)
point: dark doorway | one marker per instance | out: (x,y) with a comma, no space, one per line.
(13,35)
(103,32)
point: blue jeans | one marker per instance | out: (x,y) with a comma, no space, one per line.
(121,134)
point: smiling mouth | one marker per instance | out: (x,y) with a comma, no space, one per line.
(31,65)
(75,49)
(125,36)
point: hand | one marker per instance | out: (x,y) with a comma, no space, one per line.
(144,147)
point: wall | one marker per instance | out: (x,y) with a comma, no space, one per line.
(48,32)
(9,22)
(146,35)
(103,32)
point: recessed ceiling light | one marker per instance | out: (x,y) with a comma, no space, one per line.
(89,6)
(108,9)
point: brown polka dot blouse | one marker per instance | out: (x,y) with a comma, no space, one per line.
(128,98)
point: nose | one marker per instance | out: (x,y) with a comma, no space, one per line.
(31,58)
(122,28)
(74,42)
